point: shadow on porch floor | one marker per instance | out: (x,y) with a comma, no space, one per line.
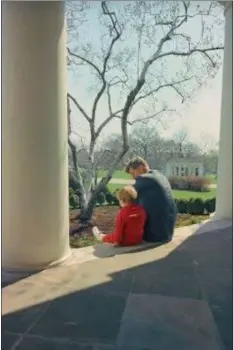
(176,296)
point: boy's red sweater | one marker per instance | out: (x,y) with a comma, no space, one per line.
(129,226)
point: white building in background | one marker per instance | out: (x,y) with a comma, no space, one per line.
(184,167)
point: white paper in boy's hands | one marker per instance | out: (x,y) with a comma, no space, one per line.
(96,232)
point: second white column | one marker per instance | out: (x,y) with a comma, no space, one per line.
(224,185)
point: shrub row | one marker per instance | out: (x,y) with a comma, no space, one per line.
(194,206)
(73,199)
(189,183)
(105,197)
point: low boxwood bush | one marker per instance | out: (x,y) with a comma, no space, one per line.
(192,206)
(196,206)
(181,205)
(109,198)
(101,199)
(115,200)
(210,205)
(105,190)
(73,199)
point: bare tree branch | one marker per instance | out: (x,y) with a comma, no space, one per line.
(118,81)
(148,63)
(115,114)
(80,108)
(109,101)
(115,28)
(166,85)
(186,37)
(193,51)
(68,115)
(152,116)
(84,59)
(186,15)
(74,156)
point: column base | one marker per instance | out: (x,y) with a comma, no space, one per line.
(11,275)
(214,225)
(214,217)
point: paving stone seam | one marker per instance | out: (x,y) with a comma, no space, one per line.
(169,296)
(36,320)
(217,335)
(197,276)
(58,340)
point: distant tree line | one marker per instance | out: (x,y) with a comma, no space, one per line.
(147,142)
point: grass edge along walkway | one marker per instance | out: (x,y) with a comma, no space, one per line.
(176,193)
(120,174)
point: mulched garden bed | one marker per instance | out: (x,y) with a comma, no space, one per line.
(104,218)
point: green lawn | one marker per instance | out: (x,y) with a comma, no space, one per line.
(118,174)
(190,194)
(114,187)
(177,194)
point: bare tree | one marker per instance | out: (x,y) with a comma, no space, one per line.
(145,141)
(145,48)
(181,137)
(211,162)
(207,143)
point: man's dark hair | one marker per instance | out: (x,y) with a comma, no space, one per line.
(134,163)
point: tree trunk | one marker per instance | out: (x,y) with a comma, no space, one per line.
(87,211)
(85,215)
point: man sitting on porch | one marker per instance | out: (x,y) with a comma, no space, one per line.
(155,196)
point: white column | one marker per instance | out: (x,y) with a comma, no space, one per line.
(34,135)
(224,185)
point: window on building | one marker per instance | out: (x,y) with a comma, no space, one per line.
(186,171)
(196,171)
(177,171)
(182,171)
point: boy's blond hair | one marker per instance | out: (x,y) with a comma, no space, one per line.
(127,194)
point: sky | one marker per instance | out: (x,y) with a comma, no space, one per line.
(201,116)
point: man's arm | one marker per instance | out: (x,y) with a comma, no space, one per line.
(116,236)
(137,185)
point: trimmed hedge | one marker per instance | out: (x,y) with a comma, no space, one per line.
(182,205)
(109,198)
(189,183)
(210,205)
(196,206)
(101,198)
(73,199)
(193,206)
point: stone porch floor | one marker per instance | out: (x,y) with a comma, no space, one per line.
(176,296)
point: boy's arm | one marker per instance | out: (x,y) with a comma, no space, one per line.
(116,236)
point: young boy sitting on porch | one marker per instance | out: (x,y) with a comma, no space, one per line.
(129,221)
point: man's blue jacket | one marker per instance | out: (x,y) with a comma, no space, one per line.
(155,196)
